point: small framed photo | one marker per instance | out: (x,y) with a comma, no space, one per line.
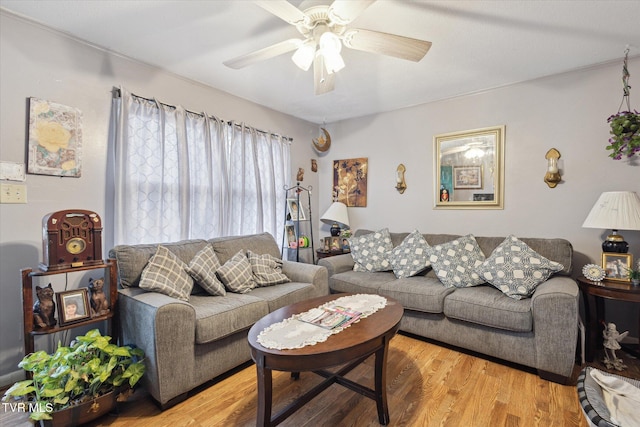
(345,244)
(296,211)
(327,244)
(292,238)
(467,177)
(336,244)
(73,306)
(616,266)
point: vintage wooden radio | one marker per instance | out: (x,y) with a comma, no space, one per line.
(71,238)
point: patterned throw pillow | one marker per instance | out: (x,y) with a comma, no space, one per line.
(165,273)
(411,256)
(203,269)
(516,269)
(267,269)
(370,251)
(236,274)
(455,262)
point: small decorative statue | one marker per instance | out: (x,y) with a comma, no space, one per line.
(99,304)
(44,308)
(612,340)
(300,175)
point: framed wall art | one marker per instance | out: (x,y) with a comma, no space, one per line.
(73,306)
(467,177)
(469,169)
(350,181)
(616,266)
(55,139)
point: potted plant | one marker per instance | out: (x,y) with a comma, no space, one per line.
(625,125)
(75,376)
(634,275)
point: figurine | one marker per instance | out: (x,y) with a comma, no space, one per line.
(300,175)
(314,165)
(99,304)
(612,340)
(44,308)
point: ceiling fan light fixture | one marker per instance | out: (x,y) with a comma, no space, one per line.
(303,57)
(333,62)
(330,42)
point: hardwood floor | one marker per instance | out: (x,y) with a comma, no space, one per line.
(427,385)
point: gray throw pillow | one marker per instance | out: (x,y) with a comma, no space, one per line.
(455,262)
(410,257)
(370,251)
(267,269)
(203,269)
(236,274)
(516,269)
(165,273)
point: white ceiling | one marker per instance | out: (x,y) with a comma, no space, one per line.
(477,45)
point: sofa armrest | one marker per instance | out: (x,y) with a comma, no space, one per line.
(555,322)
(337,264)
(164,328)
(307,273)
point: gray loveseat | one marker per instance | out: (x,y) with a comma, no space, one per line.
(189,343)
(538,332)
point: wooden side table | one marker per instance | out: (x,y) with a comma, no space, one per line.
(593,295)
(326,254)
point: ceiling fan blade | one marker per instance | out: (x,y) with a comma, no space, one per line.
(283,10)
(343,12)
(386,44)
(323,82)
(262,54)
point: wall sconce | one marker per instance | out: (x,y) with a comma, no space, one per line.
(552,177)
(401,185)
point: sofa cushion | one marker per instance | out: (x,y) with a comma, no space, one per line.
(370,251)
(203,269)
(411,256)
(417,293)
(516,269)
(227,247)
(236,274)
(284,294)
(219,317)
(166,274)
(267,269)
(359,282)
(132,259)
(455,262)
(486,305)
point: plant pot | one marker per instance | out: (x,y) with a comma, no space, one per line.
(635,282)
(83,413)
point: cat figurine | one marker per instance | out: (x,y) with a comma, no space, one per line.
(44,308)
(98,300)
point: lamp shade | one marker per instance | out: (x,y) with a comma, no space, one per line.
(337,213)
(615,210)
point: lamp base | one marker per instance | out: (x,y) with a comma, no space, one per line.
(335,229)
(615,243)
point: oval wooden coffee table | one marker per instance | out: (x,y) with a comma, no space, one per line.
(350,347)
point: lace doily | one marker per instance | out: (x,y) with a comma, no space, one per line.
(292,333)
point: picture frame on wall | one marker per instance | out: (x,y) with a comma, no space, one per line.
(467,177)
(616,266)
(73,306)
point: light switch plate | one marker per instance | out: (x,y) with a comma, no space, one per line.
(13,193)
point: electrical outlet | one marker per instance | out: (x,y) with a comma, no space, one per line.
(13,193)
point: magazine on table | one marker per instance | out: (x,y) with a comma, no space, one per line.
(330,316)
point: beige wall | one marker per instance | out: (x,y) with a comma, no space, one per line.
(567,112)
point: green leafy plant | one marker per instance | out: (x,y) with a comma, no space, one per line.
(625,125)
(90,367)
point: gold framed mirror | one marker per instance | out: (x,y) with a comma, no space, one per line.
(469,169)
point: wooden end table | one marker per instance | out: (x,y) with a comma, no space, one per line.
(351,347)
(593,295)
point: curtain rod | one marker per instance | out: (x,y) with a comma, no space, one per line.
(117,94)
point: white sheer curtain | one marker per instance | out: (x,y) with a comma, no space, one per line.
(181,175)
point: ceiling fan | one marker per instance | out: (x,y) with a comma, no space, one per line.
(324,29)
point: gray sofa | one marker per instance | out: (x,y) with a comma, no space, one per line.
(538,332)
(189,343)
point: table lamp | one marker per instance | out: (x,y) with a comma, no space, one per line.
(615,210)
(337,216)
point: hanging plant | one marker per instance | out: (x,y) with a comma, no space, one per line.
(625,125)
